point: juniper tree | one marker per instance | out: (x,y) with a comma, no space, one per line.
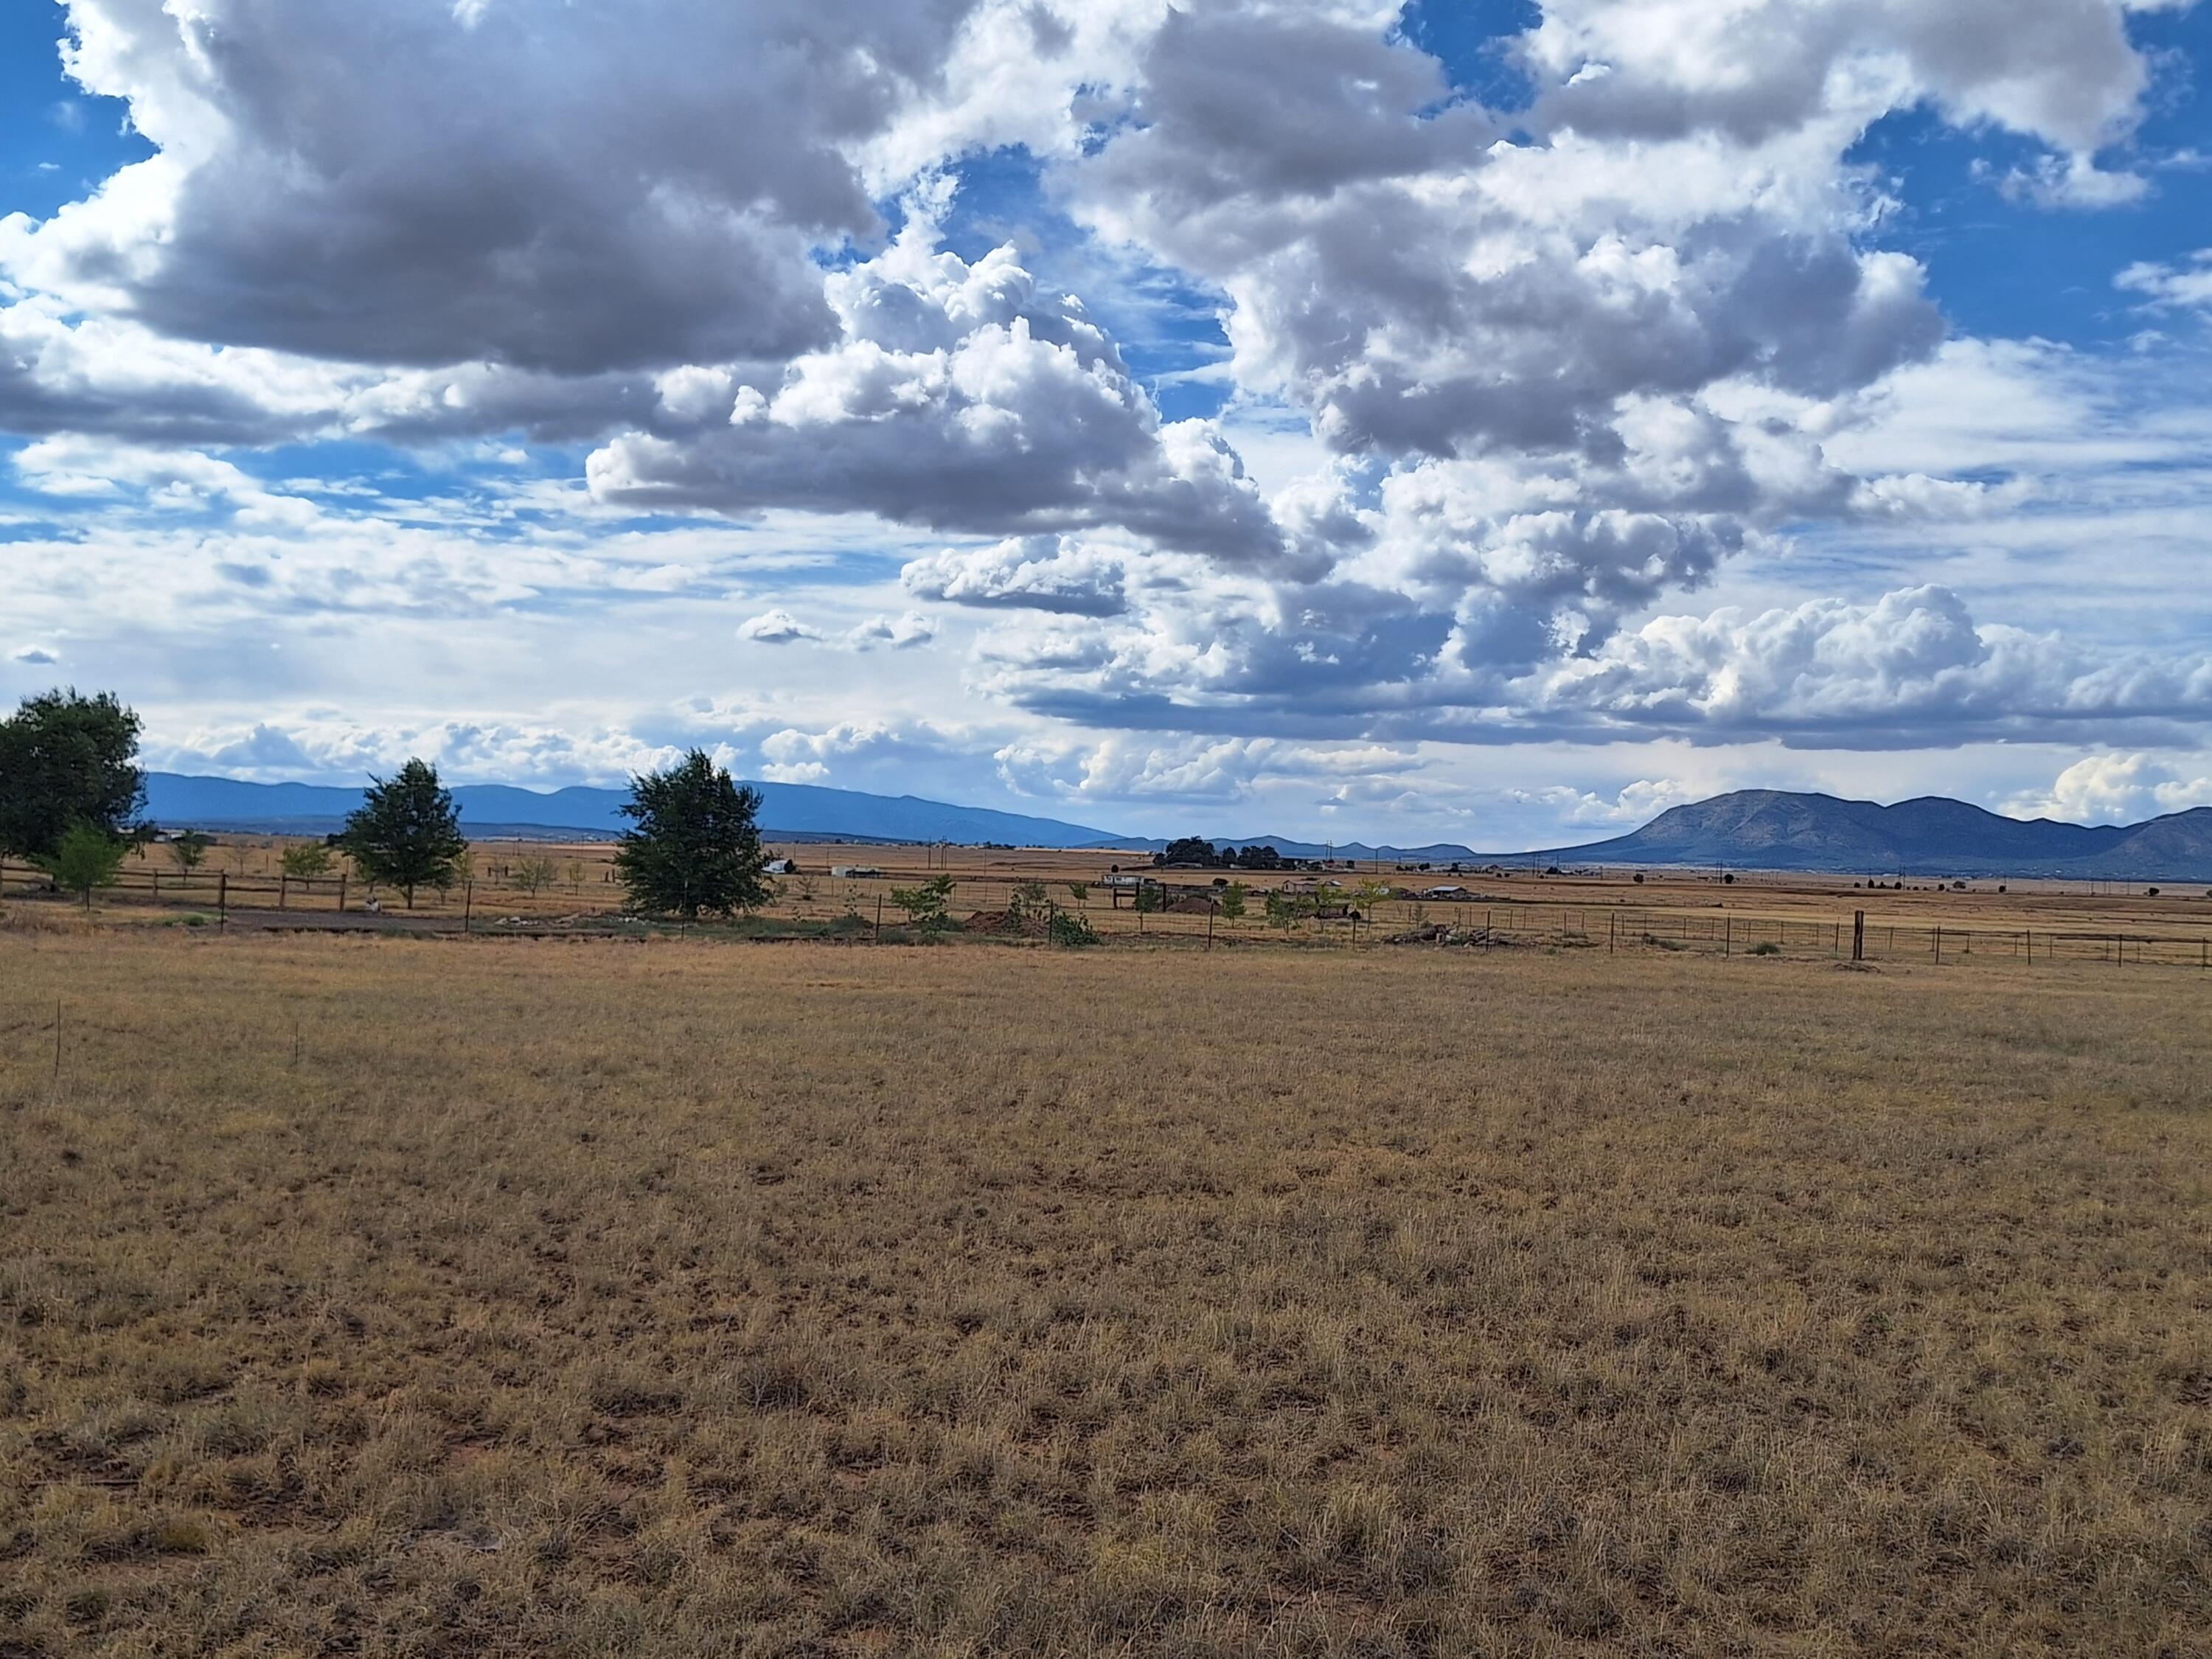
(695,844)
(407,832)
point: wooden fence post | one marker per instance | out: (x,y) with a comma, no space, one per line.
(342,882)
(222,901)
(1858,936)
(283,889)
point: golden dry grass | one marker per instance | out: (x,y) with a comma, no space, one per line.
(594,1299)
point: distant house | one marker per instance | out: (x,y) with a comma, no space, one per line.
(855,871)
(1444,893)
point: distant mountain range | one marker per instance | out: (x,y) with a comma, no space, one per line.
(789,811)
(1769,830)
(1750,829)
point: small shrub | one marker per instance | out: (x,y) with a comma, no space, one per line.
(1069,929)
(1765,948)
(926,907)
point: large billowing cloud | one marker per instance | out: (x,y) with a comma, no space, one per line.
(572,187)
(959,397)
(1424,284)
(1913,669)
(1032,573)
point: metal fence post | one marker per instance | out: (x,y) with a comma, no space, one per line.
(222,901)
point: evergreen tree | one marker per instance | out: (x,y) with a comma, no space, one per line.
(407,832)
(65,761)
(695,845)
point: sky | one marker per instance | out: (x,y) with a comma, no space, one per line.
(1486,420)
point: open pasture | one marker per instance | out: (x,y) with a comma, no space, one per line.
(539,886)
(391,1297)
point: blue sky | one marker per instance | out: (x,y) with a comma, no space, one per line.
(1483,422)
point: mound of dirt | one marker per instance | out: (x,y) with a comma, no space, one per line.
(1005,921)
(1465,938)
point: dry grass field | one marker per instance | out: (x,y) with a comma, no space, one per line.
(391,1297)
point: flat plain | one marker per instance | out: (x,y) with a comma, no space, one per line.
(392,1295)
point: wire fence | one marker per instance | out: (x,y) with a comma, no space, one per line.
(863,908)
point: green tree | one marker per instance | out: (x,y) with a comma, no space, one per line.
(1080,892)
(189,848)
(928,907)
(1027,899)
(1232,901)
(1190,849)
(87,857)
(1150,898)
(531,874)
(65,761)
(695,844)
(306,862)
(1070,930)
(407,832)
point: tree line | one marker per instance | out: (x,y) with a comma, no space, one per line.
(73,801)
(1194,850)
